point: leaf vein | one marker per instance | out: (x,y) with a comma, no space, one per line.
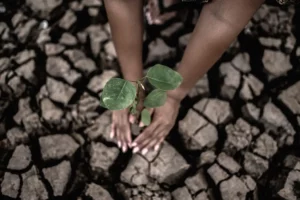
(121,89)
(158,80)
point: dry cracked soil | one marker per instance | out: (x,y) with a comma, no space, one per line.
(236,137)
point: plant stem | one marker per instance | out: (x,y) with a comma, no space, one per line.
(137,102)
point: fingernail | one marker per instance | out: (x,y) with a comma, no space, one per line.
(119,144)
(111,135)
(144,151)
(141,124)
(157,21)
(156,147)
(136,149)
(134,144)
(124,149)
(131,119)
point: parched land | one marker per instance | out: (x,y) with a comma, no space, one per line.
(236,137)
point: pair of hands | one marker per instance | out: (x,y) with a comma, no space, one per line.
(163,120)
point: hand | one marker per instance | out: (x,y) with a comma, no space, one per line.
(120,128)
(163,120)
(121,119)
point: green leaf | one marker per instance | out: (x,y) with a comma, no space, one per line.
(155,98)
(102,103)
(163,77)
(146,117)
(118,94)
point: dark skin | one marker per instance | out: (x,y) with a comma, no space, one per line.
(218,25)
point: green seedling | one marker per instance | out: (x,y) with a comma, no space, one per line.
(120,94)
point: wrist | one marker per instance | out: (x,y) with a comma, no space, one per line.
(132,72)
(133,76)
(178,93)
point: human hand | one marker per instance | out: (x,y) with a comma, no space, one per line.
(121,119)
(120,128)
(163,120)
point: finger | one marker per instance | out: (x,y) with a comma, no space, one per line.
(126,133)
(144,145)
(157,21)
(151,144)
(151,141)
(118,137)
(157,146)
(123,139)
(160,141)
(149,18)
(131,119)
(127,137)
(112,131)
(141,124)
(143,136)
(115,128)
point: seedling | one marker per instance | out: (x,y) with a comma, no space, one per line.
(119,94)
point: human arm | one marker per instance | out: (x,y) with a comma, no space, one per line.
(126,22)
(219,24)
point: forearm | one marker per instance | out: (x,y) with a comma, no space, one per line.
(219,24)
(126,21)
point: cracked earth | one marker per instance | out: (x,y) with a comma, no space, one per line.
(236,136)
